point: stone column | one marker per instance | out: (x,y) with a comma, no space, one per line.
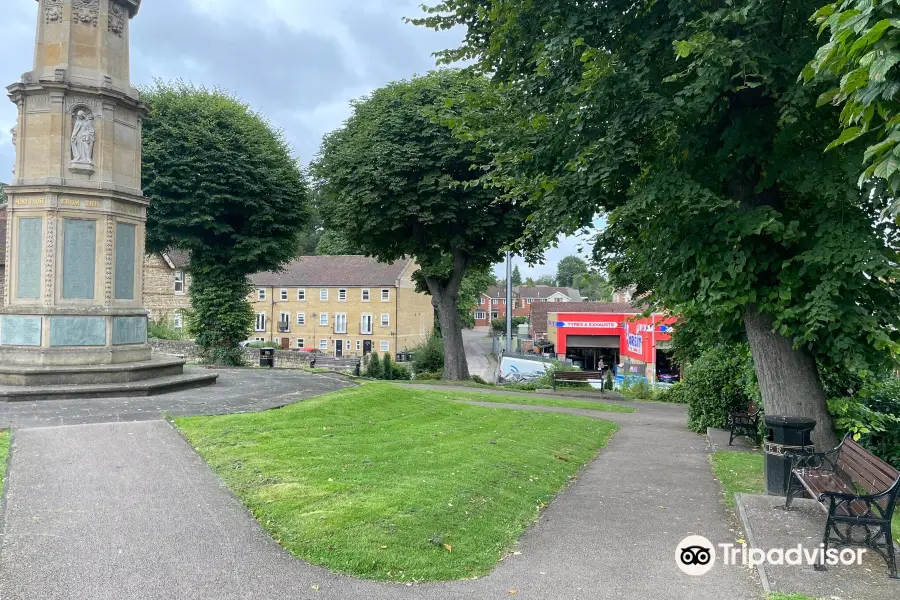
(76,211)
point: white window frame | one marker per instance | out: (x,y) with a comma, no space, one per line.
(301,295)
(495,314)
(323,294)
(494,301)
(385,294)
(179,320)
(179,279)
(385,319)
(301,343)
(259,339)
(286,317)
(385,346)
(480,315)
(362,324)
(342,295)
(338,318)
(261,294)
(323,319)
(358,345)
(301,319)
(261,319)
(323,344)
(365,295)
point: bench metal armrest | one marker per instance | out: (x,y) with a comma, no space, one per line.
(818,461)
(874,510)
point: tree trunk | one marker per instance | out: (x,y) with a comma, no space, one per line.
(455,366)
(788,378)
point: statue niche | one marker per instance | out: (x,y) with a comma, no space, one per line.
(83,137)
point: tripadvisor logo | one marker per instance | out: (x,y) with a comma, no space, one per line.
(696,555)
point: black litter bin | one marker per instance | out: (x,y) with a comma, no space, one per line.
(267,357)
(784,435)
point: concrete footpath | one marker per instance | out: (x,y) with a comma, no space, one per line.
(123,511)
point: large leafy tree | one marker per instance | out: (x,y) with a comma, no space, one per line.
(570,270)
(224,187)
(685,122)
(860,63)
(397,182)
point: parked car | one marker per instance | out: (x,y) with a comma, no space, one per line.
(667,377)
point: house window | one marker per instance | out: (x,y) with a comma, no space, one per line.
(340,323)
(385,346)
(480,315)
(284,322)
(323,344)
(385,319)
(260,321)
(323,319)
(494,301)
(301,319)
(301,295)
(259,339)
(366,325)
(358,345)
(342,295)
(366,295)
(179,320)
(284,295)
(300,343)
(261,294)
(323,295)
(179,282)
(386,295)
(495,314)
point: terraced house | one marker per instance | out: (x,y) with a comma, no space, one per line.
(342,305)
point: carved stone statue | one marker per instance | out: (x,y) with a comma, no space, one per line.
(83,135)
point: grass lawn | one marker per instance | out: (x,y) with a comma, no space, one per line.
(535,400)
(743,472)
(463,383)
(4,454)
(789,597)
(397,483)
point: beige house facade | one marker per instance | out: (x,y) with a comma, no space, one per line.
(342,306)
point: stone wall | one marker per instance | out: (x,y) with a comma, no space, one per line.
(284,359)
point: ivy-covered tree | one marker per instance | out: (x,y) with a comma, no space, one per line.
(570,270)
(399,182)
(223,186)
(686,124)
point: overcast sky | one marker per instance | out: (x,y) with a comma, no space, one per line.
(299,62)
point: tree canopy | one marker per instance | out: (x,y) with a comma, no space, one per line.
(569,271)
(686,124)
(398,178)
(224,187)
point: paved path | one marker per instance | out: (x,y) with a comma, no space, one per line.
(125,511)
(478,350)
(237,390)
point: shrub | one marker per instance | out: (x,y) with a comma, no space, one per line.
(638,390)
(715,385)
(873,418)
(428,357)
(162,329)
(373,367)
(264,345)
(400,372)
(387,368)
(430,375)
(674,394)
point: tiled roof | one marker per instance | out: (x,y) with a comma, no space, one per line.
(180,259)
(332,271)
(545,291)
(540,310)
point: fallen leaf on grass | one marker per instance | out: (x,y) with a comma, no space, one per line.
(562,458)
(448,547)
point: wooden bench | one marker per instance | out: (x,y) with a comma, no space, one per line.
(576,376)
(857,489)
(745,423)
